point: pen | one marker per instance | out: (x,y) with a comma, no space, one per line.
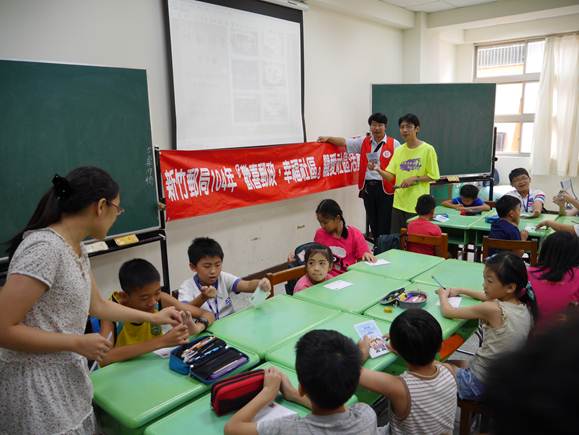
(438,282)
(96,363)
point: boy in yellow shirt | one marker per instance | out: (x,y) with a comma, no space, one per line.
(414,166)
(141,284)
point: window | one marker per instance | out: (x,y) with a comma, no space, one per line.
(515,67)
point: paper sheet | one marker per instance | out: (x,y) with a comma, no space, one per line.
(273,411)
(165,351)
(338,285)
(440,218)
(454,301)
(379,262)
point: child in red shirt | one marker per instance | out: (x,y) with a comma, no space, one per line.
(422,225)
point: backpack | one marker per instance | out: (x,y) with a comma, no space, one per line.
(385,242)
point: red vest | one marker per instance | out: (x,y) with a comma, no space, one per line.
(388,149)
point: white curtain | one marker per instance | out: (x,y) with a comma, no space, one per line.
(555,148)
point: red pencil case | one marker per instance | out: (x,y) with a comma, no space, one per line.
(234,392)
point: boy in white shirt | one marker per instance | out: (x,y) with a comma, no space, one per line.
(210,288)
(532,200)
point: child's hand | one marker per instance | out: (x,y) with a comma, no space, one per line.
(92,346)
(368,257)
(443,292)
(524,235)
(188,321)
(288,391)
(209,291)
(167,316)
(291,257)
(453,292)
(364,346)
(265,285)
(542,224)
(323,139)
(271,382)
(176,336)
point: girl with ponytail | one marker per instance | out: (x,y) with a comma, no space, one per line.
(507,312)
(49,292)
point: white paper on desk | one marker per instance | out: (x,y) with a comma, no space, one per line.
(338,285)
(165,351)
(454,301)
(379,262)
(440,218)
(272,412)
(377,343)
(530,228)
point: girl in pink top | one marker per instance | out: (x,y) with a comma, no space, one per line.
(556,279)
(346,242)
(319,262)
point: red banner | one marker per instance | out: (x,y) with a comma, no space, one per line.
(208,181)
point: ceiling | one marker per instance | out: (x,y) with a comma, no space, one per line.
(434,5)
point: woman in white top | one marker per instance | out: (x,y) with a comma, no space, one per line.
(49,292)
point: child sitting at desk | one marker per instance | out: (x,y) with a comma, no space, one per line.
(318,262)
(555,279)
(506,228)
(467,200)
(346,242)
(531,200)
(141,290)
(422,399)
(210,288)
(507,314)
(328,367)
(423,225)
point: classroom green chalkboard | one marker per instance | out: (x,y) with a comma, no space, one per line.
(56,117)
(457,119)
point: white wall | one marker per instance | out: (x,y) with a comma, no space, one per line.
(343,56)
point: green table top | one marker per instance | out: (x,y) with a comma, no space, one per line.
(365,291)
(260,328)
(483,226)
(403,264)
(569,220)
(137,391)
(198,417)
(455,219)
(285,354)
(449,326)
(454,273)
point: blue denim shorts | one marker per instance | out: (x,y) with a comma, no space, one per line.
(469,387)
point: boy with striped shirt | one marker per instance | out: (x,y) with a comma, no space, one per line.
(422,399)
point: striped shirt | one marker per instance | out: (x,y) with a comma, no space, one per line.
(432,404)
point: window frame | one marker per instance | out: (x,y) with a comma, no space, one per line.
(524,78)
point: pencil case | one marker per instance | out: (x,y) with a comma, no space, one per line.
(491,219)
(234,392)
(204,348)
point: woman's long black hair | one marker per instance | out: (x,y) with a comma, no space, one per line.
(71,194)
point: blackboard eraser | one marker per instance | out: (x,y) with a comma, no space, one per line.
(126,240)
(91,248)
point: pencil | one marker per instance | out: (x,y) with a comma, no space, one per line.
(96,363)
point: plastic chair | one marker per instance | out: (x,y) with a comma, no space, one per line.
(440,243)
(286,275)
(529,246)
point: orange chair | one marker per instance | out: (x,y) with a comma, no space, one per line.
(528,246)
(285,275)
(440,243)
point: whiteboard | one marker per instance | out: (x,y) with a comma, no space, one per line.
(237,77)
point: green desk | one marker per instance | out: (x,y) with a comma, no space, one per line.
(454,273)
(131,394)
(449,326)
(457,227)
(568,220)
(285,354)
(403,264)
(365,291)
(260,328)
(482,228)
(198,417)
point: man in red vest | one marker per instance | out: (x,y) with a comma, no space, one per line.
(376,192)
